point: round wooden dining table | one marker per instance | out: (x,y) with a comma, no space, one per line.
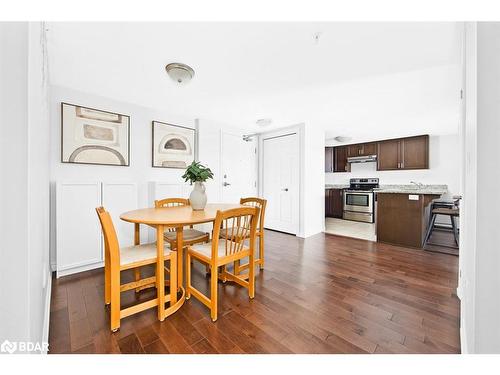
(171,217)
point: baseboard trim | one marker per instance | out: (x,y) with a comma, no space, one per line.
(463,338)
(86,267)
(46,318)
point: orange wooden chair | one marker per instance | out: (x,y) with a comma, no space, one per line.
(118,259)
(261,204)
(239,225)
(190,235)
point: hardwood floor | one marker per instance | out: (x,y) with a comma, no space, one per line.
(325,294)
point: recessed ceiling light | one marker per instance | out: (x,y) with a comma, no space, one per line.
(341,138)
(264,122)
(180,73)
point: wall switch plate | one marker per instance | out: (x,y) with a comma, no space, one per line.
(413,197)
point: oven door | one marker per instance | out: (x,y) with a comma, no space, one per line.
(358,201)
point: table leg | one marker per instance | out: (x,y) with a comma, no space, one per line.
(180,259)
(137,241)
(160,273)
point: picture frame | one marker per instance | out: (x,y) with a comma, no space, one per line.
(173,146)
(94,136)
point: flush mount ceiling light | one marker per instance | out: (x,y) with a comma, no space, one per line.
(180,73)
(264,122)
(342,139)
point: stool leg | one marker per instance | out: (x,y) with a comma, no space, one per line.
(455,231)
(431,227)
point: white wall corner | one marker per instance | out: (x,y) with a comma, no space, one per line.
(46,318)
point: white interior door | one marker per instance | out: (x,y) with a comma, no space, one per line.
(280,185)
(239,167)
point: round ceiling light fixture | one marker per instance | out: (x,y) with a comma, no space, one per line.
(180,73)
(342,139)
(264,122)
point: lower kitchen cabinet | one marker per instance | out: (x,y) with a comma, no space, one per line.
(334,203)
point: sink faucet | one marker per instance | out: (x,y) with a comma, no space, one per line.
(419,184)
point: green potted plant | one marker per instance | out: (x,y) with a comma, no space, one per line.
(197,173)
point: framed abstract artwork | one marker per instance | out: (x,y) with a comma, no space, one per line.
(173,146)
(92,136)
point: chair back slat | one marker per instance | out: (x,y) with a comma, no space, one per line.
(238,225)
(111,245)
(171,202)
(261,204)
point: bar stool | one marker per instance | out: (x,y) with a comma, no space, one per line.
(446,208)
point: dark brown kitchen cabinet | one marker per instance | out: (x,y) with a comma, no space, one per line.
(415,152)
(388,155)
(340,159)
(329,157)
(362,149)
(369,149)
(353,150)
(334,203)
(404,153)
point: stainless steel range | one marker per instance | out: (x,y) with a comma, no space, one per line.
(359,200)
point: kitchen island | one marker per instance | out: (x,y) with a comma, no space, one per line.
(402,214)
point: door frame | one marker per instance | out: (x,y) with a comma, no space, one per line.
(237,133)
(299,130)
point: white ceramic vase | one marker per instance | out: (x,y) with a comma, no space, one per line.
(198,197)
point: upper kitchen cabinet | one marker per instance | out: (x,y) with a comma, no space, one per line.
(353,150)
(340,159)
(362,149)
(388,155)
(415,152)
(404,153)
(368,149)
(329,158)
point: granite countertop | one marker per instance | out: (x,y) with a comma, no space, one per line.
(413,189)
(401,189)
(336,186)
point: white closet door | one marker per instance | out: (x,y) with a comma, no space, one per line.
(118,198)
(281,182)
(78,232)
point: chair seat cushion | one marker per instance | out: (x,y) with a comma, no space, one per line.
(188,234)
(230,231)
(205,249)
(446,211)
(139,253)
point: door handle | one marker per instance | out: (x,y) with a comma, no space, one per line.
(225,183)
(285,189)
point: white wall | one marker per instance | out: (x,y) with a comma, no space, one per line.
(444,167)
(468,210)
(314,180)
(24,189)
(140,170)
(487,264)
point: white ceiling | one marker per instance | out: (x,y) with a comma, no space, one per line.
(360,79)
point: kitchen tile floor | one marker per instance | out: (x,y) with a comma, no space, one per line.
(348,228)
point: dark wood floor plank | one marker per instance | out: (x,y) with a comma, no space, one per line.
(325,294)
(203,347)
(156,347)
(130,345)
